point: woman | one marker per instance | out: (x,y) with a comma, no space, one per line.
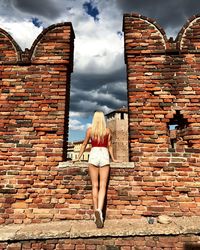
(99,164)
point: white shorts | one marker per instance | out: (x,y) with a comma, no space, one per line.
(99,157)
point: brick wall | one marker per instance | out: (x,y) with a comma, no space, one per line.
(34,105)
(179,242)
(163,90)
(132,193)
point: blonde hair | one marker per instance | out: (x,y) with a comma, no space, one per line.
(98,126)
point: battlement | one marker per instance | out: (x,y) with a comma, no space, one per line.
(162,176)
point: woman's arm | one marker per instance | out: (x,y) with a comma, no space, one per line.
(110,148)
(84,144)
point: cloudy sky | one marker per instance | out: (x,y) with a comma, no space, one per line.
(99,77)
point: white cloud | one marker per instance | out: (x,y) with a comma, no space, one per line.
(24,32)
(98,48)
(74,114)
(76,125)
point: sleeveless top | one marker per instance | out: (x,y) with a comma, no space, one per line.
(103,143)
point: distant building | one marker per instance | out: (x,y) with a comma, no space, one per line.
(74,149)
(117,121)
(70,150)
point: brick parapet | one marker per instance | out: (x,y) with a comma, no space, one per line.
(34,106)
(9,49)
(163,90)
(148,188)
(53,46)
(143,35)
(188,38)
(160,85)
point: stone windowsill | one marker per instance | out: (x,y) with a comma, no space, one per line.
(71,229)
(85,164)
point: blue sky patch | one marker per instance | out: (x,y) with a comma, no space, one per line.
(36,22)
(120,34)
(78,135)
(91,10)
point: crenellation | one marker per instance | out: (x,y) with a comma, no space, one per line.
(33,99)
(9,49)
(163,91)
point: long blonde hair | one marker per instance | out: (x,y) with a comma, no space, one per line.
(98,126)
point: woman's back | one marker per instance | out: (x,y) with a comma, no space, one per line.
(100,143)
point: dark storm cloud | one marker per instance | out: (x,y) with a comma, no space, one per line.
(112,96)
(46,8)
(171,13)
(85,107)
(92,91)
(90,81)
(111,102)
(118,90)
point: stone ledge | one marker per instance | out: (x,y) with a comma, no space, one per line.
(67,164)
(71,229)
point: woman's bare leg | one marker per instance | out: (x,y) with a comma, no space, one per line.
(104,173)
(94,172)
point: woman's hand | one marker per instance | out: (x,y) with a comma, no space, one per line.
(77,160)
(115,160)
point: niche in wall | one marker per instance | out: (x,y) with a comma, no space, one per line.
(177,127)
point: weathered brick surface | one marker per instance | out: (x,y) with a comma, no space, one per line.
(34,105)
(180,242)
(162,78)
(163,88)
(163,83)
(132,192)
